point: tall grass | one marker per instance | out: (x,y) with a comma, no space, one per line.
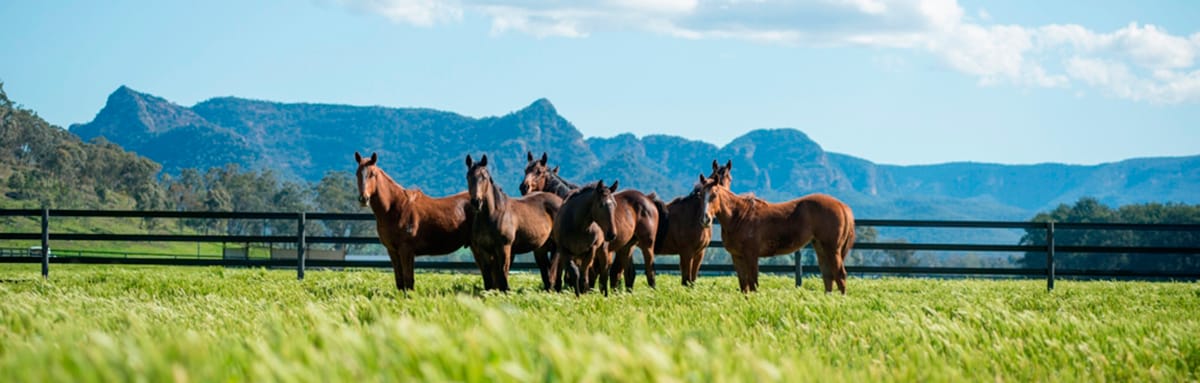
(91,323)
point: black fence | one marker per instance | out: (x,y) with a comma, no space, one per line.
(44,255)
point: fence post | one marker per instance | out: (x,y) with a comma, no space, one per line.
(799,268)
(1050,256)
(300,247)
(45,242)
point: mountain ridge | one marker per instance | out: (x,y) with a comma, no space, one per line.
(425,147)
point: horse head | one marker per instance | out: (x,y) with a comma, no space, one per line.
(479,181)
(603,209)
(536,174)
(368,177)
(702,190)
(722,174)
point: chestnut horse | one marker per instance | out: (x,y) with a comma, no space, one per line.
(409,222)
(636,220)
(582,227)
(684,228)
(752,228)
(504,226)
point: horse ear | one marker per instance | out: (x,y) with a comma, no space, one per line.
(613,188)
(729,164)
(357,157)
(374,158)
(702,179)
(528,156)
(483,161)
(600,184)
(715,165)
(469,161)
(555,170)
(544,158)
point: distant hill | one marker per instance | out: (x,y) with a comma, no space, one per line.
(425,148)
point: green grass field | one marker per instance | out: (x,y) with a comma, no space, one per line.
(124,323)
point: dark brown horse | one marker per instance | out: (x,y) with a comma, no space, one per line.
(722,174)
(752,228)
(539,177)
(409,222)
(582,227)
(505,226)
(636,218)
(685,229)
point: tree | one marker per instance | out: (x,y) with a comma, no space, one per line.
(1089,209)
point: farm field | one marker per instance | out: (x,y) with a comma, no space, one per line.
(127,323)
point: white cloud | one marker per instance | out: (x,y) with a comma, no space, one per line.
(1138,62)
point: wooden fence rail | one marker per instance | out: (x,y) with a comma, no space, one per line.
(300,239)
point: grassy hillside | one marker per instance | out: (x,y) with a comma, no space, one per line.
(212,324)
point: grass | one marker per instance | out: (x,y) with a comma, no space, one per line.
(123,323)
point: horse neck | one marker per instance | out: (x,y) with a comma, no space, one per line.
(579,214)
(389,196)
(498,201)
(557,185)
(733,207)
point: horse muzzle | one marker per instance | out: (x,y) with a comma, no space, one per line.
(610,236)
(706,221)
(362,200)
(524,188)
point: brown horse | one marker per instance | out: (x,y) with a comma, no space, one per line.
(539,177)
(752,228)
(722,174)
(635,222)
(504,226)
(636,218)
(685,229)
(409,222)
(581,229)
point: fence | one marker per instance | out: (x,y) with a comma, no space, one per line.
(301,240)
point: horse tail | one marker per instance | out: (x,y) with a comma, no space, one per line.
(847,237)
(661,233)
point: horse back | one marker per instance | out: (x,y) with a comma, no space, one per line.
(443,224)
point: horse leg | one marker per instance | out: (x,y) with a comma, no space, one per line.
(823,263)
(503,262)
(622,265)
(685,267)
(740,268)
(751,268)
(543,263)
(837,266)
(407,261)
(602,269)
(695,267)
(648,263)
(397,268)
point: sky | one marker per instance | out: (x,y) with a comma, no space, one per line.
(894,82)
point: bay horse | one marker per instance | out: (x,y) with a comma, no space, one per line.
(409,222)
(752,228)
(684,228)
(505,226)
(539,177)
(722,174)
(635,221)
(582,228)
(636,218)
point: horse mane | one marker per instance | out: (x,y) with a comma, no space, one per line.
(580,190)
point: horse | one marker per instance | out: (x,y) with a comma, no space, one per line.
(684,229)
(409,222)
(722,174)
(752,228)
(539,177)
(635,222)
(582,228)
(637,217)
(504,226)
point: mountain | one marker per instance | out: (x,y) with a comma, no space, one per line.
(425,148)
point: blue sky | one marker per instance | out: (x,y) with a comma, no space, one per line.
(898,82)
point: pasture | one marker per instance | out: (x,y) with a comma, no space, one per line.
(129,323)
